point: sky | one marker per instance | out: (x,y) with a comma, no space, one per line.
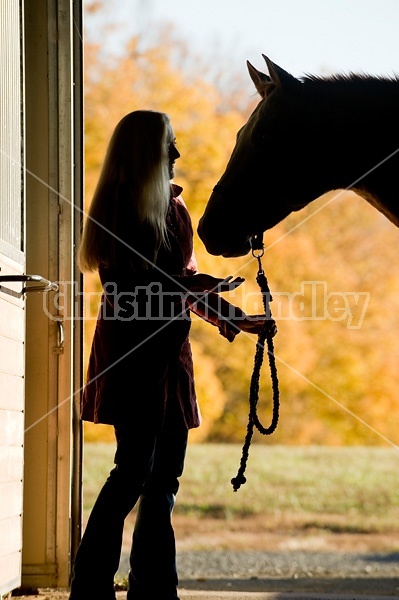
(303,36)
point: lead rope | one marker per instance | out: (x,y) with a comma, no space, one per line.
(266,334)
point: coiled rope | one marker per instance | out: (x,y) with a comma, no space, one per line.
(266,334)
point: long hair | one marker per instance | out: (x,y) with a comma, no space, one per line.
(127,215)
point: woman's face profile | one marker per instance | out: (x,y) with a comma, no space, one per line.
(173,152)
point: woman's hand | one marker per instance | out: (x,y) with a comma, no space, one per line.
(202,282)
(254,324)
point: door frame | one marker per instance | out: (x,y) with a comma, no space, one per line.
(54,205)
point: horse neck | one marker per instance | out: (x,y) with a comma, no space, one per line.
(360,127)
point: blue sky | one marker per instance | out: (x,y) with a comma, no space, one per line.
(302,36)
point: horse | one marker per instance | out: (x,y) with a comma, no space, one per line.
(304,138)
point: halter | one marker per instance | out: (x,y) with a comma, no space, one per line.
(266,334)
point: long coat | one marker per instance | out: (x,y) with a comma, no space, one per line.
(140,358)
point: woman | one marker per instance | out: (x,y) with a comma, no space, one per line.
(139,237)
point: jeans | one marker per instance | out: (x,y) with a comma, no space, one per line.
(148,464)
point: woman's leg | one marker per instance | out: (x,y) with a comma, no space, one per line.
(98,556)
(153,572)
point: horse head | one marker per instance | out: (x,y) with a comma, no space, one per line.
(265,178)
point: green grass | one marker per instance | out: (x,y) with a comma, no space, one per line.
(341,489)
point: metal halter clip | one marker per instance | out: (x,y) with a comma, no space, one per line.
(257,244)
(258,249)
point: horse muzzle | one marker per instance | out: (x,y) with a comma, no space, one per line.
(216,230)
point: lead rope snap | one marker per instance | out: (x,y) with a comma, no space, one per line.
(266,334)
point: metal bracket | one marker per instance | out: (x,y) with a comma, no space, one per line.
(59,348)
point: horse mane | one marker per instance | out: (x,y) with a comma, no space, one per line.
(366,92)
(352,82)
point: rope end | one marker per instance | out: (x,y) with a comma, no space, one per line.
(238,481)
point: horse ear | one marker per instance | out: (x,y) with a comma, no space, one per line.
(279,77)
(261,80)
